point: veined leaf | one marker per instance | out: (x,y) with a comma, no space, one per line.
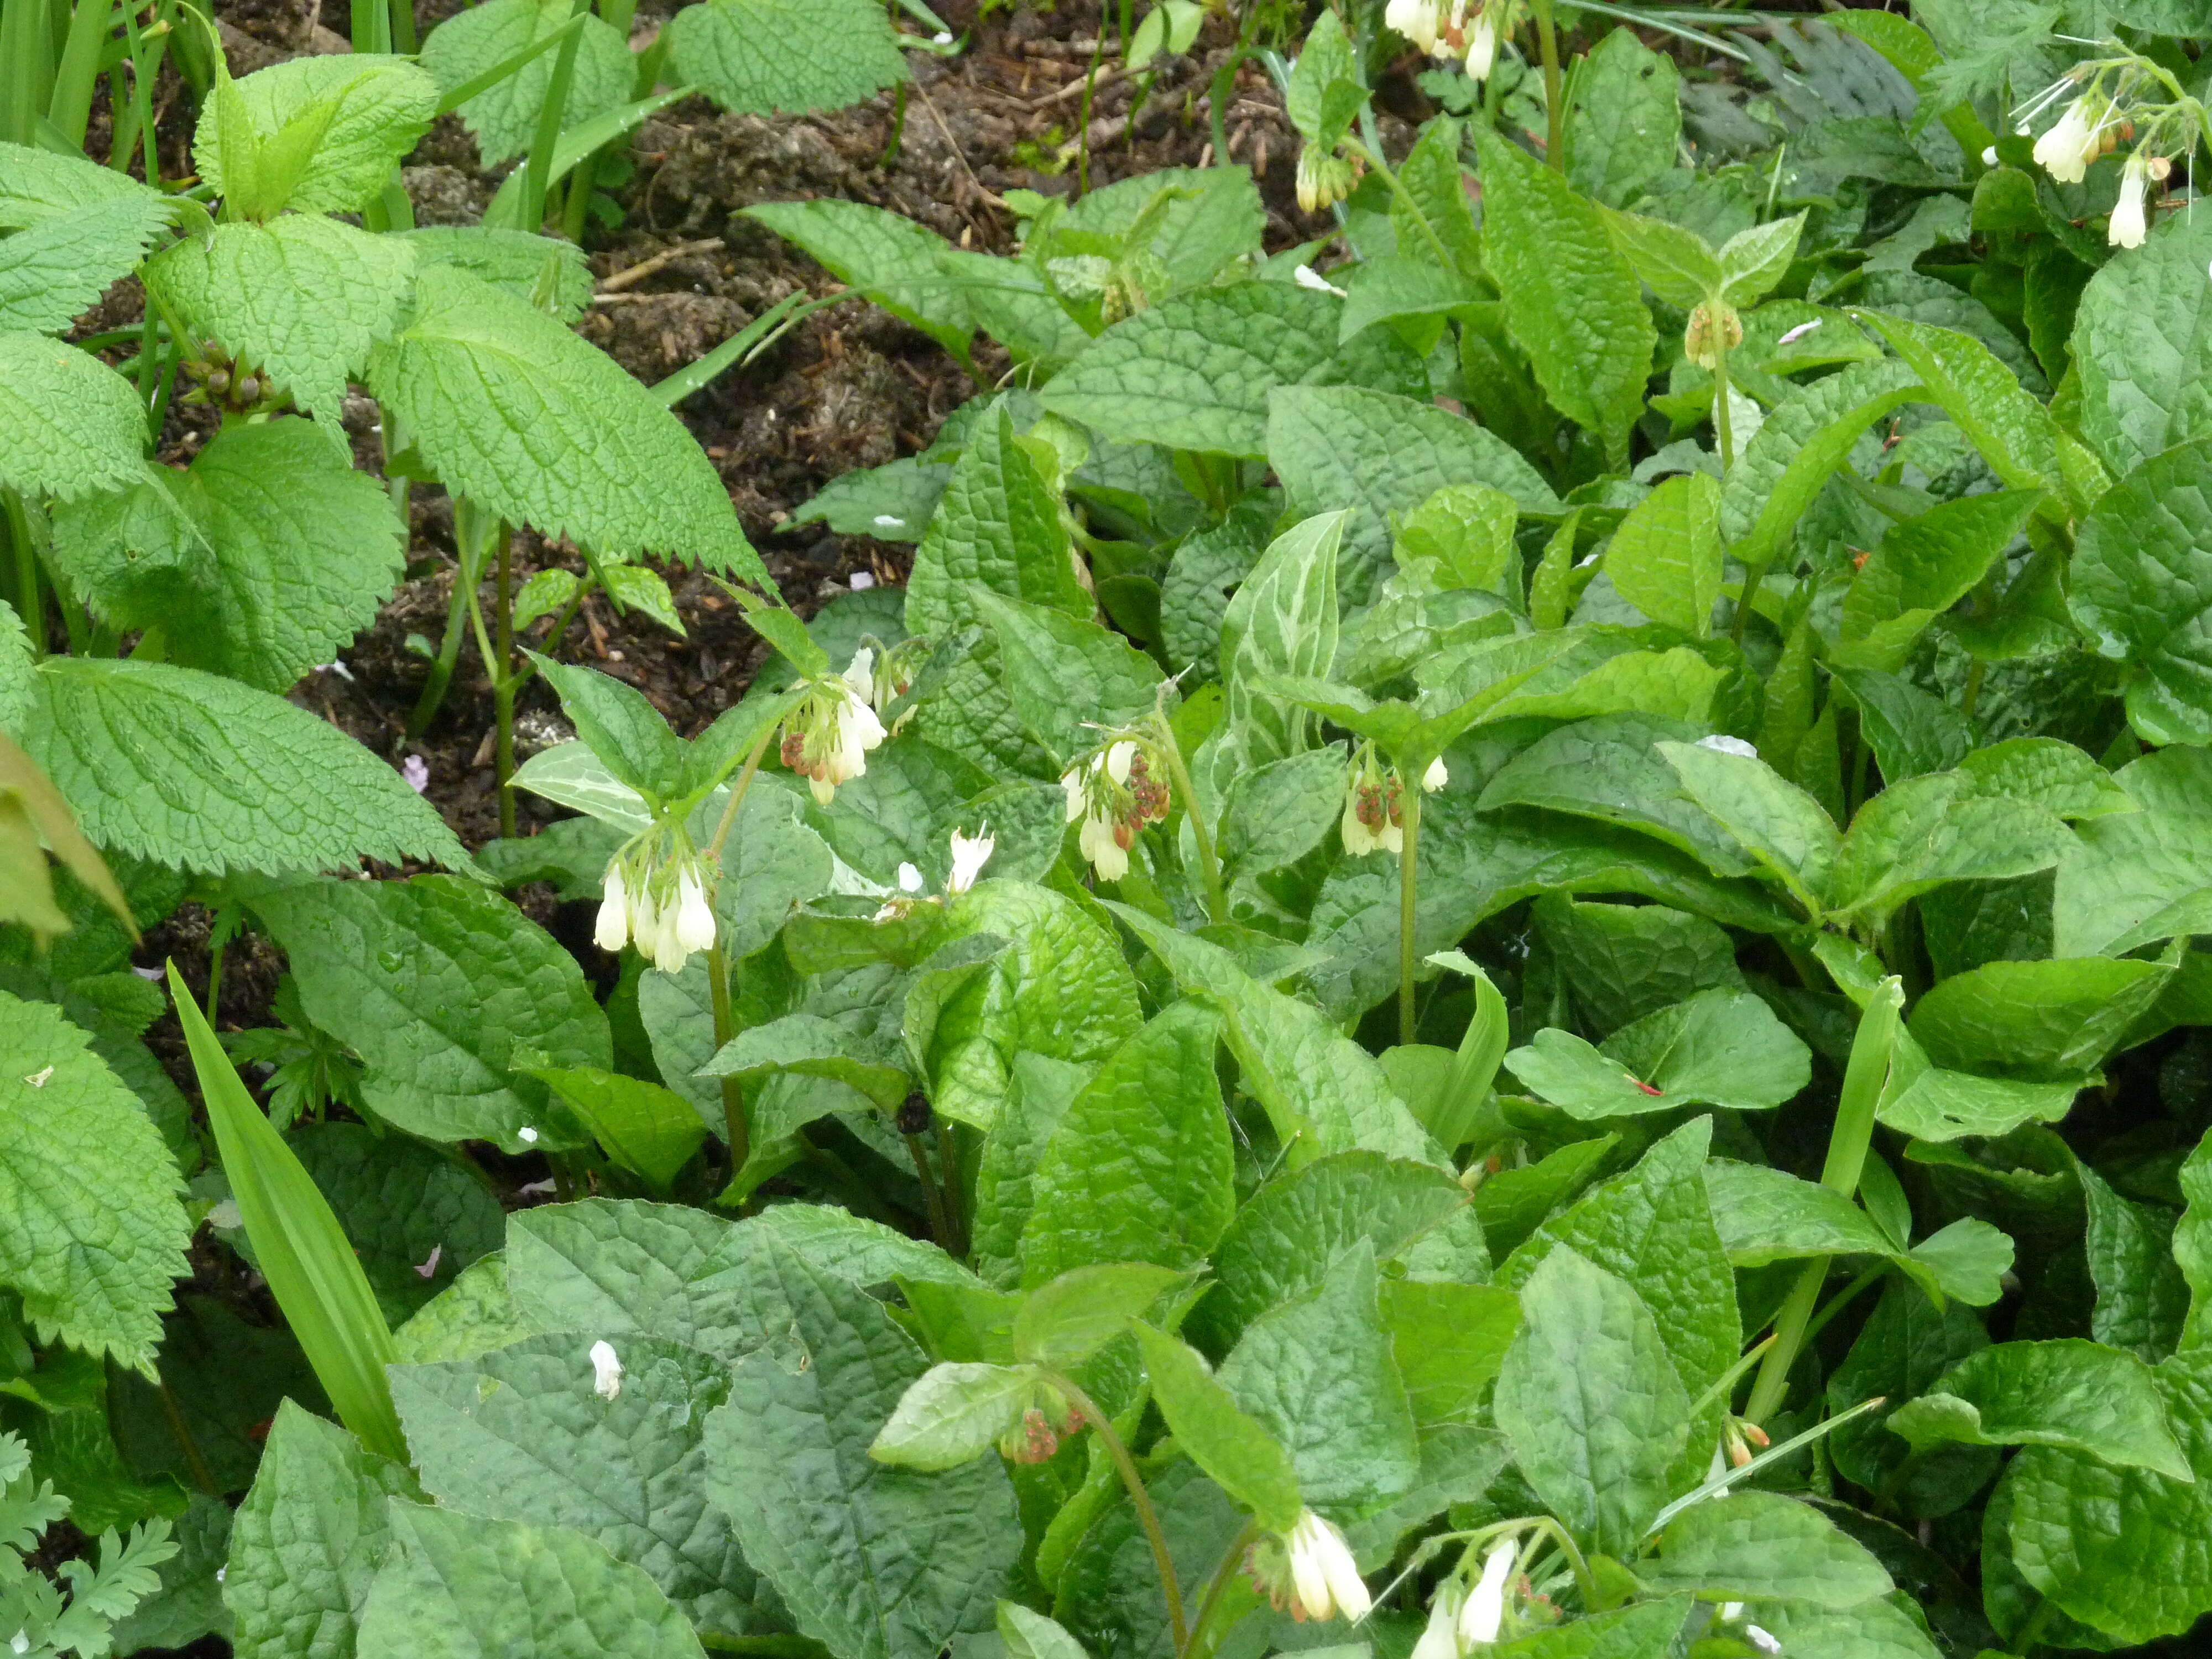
(62,265)
(757,57)
(504,117)
(1798,447)
(38,184)
(2140,337)
(70,425)
(383,105)
(888,257)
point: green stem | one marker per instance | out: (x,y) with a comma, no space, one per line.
(449,651)
(30,601)
(940,1227)
(403,28)
(1864,1074)
(1555,114)
(955,1242)
(1141,1500)
(503,686)
(537,173)
(736,1129)
(1216,895)
(1752,580)
(1724,423)
(195,1459)
(736,799)
(371,28)
(1409,867)
(78,72)
(575,205)
(1202,1640)
(215,980)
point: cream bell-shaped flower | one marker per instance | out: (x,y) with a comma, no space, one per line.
(970,854)
(1440,1636)
(2067,149)
(1480,1619)
(2129,224)
(1099,844)
(606,1370)
(1414,19)
(909,878)
(1436,777)
(694,917)
(1482,46)
(1323,1572)
(611,931)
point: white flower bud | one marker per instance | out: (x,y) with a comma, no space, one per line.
(1436,777)
(909,878)
(1482,46)
(606,1370)
(2067,149)
(1071,781)
(970,854)
(694,917)
(2128,223)
(611,930)
(1118,756)
(1439,1639)
(1485,1612)
(1322,1571)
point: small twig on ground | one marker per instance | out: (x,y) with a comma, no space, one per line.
(660,261)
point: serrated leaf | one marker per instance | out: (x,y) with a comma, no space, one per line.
(1194,372)
(514,260)
(93,1231)
(383,105)
(875,1562)
(504,117)
(523,1434)
(177,766)
(1383,455)
(70,425)
(1572,304)
(532,423)
(37,184)
(759,56)
(1596,1415)
(435,983)
(453,1586)
(998,527)
(61,266)
(2066,1393)
(1139,1169)
(308,1540)
(1760,1545)
(300,301)
(893,260)
(262,560)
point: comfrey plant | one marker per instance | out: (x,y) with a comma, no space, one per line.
(1495,955)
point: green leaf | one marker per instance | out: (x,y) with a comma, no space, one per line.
(1872,1630)
(401,1204)
(1719,1048)
(1231,1446)
(525,265)
(522,1435)
(2139,877)
(1625,121)
(1755,260)
(1921,567)
(1929,1102)
(1283,620)
(1624,961)
(952,1415)
(179,767)
(435,983)
(1653,1229)
(1784,828)
(1905,1345)
(2142,585)
(1318,1375)
(642,1126)
(261,560)
(1067,676)
(1909,732)
(1797,449)
(37,184)
(616,722)
(1063,1322)
(300,300)
(2140,337)
(1383,455)
(874,1562)
(94,1231)
(1032,1636)
(2141,1296)
(2036,1022)
(60,267)
(1572,301)
(2125,1550)
(1194,372)
(1592,1405)
(892,502)
(383,105)
(998,528)
(1926,830)
(1139,1169)
(70,425)
(472,1316)
(512,409)
(504,116)
(455,1585)
(2065,1392)
(1323,1091)
(1760,1545)
(896,261)
(1665,559)
(1769,1215)
(1678,264)
(1278,812)
(758,56)
(1642,1632)
(309,1539)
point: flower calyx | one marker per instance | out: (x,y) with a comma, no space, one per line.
(1374,814)
(826,740)
(656,899)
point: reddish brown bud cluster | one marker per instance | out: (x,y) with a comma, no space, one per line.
(1150,794)
(1378,805)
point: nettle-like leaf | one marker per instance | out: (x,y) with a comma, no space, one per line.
(542,271)
(527,420)
(896,263)
(260,560)
(179,766)
(378,107)
(60,266)
(504,117)
(91,1229)
(299,300)
(70,425)
(759,56)
(37,184)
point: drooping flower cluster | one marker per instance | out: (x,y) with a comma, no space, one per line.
(1445,29)
(1462,1621)
(657,902)
(1115,793)
(2117,100)
(826,738)
(1324,179)
(970,854)
(1309,1571)
(1374,814)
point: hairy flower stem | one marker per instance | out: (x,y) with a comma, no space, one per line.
(736,1127)
(1147,1516)
(1216,896)
(940,1228)
(1555,113)
(1203,1638)
(1864,1075)
(1409,863)
(504,682)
